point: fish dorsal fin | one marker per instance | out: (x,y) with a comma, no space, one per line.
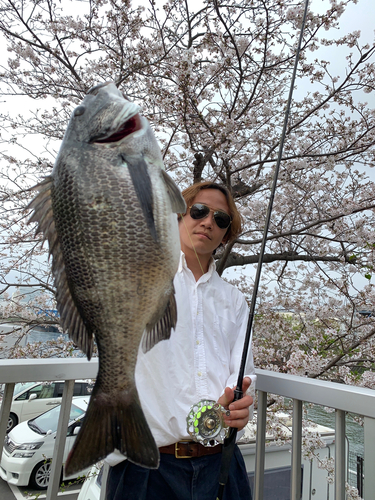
(142,185)
(177,200)
(70,318)
(162,329)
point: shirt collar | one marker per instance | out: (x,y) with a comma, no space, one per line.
(206,276)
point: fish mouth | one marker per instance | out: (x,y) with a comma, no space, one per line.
(133,124)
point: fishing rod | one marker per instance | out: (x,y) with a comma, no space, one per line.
(230,440)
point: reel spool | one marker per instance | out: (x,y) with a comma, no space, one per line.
(205,423)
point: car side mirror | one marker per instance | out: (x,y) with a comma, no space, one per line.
(76,430)
(32,396)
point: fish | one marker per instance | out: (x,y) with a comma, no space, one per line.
(108,211)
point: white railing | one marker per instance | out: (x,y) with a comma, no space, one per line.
(37,370)
(343,398)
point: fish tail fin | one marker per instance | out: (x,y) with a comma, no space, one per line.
(113,421)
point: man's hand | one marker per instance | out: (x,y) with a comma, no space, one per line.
(239,410)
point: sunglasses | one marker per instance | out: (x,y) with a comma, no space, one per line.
(200,211)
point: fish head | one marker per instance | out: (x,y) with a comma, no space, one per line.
(105,119)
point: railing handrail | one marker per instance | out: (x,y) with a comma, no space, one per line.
(354,399)
(38,370)
(349,398)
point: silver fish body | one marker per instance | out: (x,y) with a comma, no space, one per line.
(108,211)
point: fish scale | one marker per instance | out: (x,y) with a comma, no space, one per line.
(108,211)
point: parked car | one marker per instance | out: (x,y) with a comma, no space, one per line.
(28,448)
(93,483)
(30,399)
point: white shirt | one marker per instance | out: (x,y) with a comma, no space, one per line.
(200,359)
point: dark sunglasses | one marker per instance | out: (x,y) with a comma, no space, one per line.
(200,211)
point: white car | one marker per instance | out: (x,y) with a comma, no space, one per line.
(28,448)
(91,488)
(30,399)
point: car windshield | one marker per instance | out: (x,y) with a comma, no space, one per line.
(48,421)
(22,386)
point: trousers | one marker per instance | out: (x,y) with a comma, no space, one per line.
(178,479)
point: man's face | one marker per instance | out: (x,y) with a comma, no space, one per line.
(205,235)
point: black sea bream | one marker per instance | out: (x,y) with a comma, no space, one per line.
(108,211)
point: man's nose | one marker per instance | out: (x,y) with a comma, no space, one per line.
(209,220)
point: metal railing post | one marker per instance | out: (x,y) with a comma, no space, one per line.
(295,480)
(340,452)
(260,452)
(369,458)
(4,412)
(58,452)
(103,490)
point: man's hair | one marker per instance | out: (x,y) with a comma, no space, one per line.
(191,192)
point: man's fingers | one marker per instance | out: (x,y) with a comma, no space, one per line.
(238,414)
(227,397)
(246,384)
(237,418)
(244,402)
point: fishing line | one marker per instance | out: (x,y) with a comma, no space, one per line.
(192,244)
(230,441)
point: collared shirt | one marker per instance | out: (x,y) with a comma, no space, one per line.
(200,359)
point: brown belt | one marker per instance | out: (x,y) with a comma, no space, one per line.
(189,449)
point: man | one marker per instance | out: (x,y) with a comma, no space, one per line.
(200,361)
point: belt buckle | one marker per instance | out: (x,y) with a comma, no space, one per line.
(176,448)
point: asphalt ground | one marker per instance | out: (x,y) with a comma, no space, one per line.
(8,492)
(5,491)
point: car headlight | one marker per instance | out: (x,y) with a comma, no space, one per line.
(30,446)
(23,454)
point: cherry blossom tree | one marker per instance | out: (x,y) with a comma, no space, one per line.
(213,79)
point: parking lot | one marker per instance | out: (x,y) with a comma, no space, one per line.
(24,493)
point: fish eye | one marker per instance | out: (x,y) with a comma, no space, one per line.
(79,110)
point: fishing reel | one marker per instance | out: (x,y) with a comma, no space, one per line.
(205,423)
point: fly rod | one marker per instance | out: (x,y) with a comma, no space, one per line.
(230,441)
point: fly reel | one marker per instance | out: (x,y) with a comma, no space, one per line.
(205,423)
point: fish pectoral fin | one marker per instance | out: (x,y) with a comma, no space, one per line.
(162,328)
(113,421)
(177,200)
(142,184)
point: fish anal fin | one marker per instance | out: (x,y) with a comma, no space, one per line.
(162,328)
(70,318)
(113,421)
(177,200)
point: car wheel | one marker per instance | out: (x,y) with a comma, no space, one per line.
(12,421)
(39,478)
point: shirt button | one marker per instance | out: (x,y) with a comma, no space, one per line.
(199,374)
(197,342)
